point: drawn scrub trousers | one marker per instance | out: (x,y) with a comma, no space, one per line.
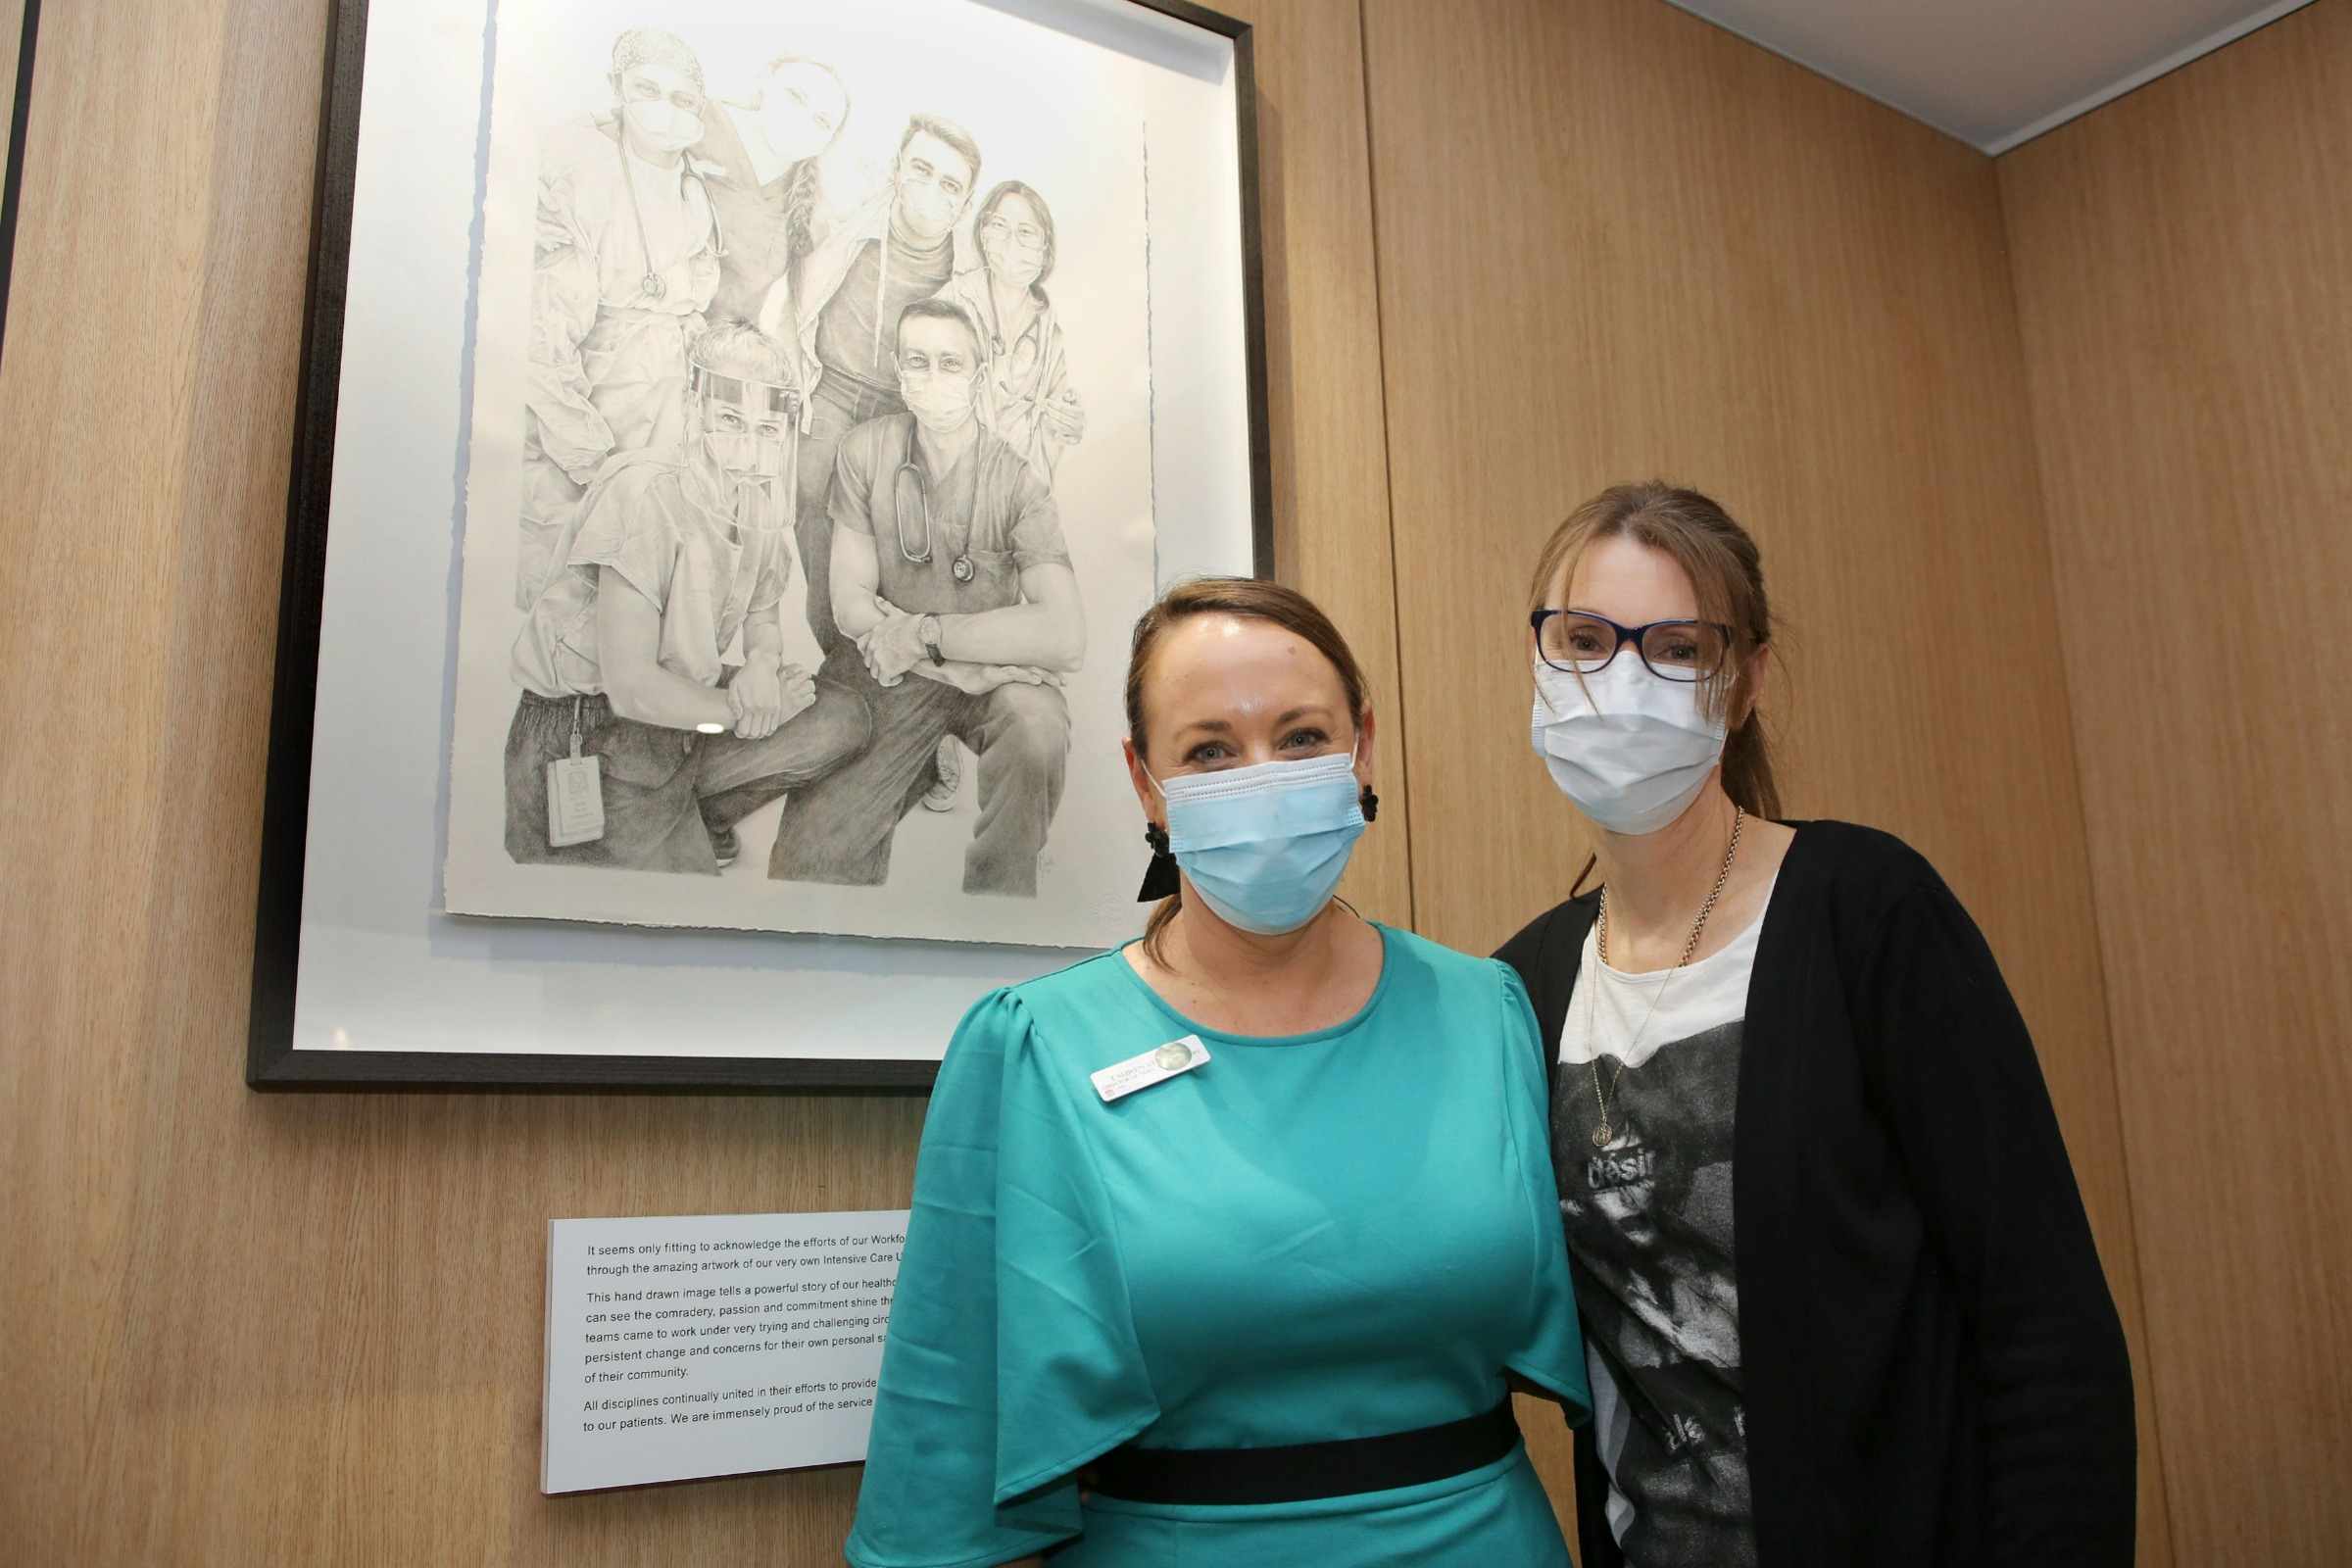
(1307,1237)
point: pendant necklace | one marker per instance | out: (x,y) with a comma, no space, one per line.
(1604,1134)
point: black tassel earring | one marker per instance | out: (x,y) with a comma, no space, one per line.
(1160,877)
(1370,803)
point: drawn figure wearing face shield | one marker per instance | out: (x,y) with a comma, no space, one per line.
(627,262)
(762,157)
(1026,398)
(673,560)
(744,433)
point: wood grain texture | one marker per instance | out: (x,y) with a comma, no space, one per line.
(12,35)
(1618,243)
(2181,274)
(1323,343)
(239,1329)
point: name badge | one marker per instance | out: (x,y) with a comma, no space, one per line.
(575,798)
(1123,1078)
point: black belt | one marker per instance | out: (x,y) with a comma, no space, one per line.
(1300,1471)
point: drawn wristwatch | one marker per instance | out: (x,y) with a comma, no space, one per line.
(928,630)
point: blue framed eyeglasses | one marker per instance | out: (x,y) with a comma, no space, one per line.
(1581,643)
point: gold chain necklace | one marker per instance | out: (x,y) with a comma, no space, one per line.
(1604,1134)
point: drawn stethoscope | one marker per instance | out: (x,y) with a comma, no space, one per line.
(910,479)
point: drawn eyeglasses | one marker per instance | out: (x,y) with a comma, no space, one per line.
(1578,642)
(1028,236)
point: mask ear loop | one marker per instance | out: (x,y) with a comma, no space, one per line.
(1365,801)
(1591,857)
(1369,804)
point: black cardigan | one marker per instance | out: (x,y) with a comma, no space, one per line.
(1935,1373)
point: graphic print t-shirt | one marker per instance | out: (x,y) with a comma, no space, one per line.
(1648,1214)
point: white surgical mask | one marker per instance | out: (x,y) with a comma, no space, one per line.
(662,127)
(943,402)
(1631,750)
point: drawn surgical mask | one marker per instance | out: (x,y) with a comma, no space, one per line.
(794,111)
(942,402)
(926,209)
(1630,750)
(1264,846)
(660,125)
(1017,270)
(1013,248)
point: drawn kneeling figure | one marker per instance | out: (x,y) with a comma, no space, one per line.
(634,744)
(952,584)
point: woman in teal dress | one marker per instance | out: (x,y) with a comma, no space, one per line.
(1227,1246)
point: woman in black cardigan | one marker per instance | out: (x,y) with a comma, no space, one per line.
(1794,1035)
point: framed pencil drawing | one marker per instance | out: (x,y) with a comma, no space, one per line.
(736,438)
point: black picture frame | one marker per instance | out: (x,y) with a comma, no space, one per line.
(11,183)
(272,1063)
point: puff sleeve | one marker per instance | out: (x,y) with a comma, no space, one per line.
(1012,1358)
(1553,1352)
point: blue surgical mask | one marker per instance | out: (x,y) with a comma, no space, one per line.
(1264,846)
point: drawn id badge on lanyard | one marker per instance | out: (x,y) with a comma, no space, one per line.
(576,794)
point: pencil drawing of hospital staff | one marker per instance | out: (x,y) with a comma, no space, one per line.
(1026,400)
(627,262)
(960,617)
(840,304)
(655,655)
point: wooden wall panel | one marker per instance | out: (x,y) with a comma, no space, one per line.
(2181,273)
(12,35)
(239,1329)
(1323,334)
(1618,243)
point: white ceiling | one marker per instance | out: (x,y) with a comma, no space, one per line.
(1992,73)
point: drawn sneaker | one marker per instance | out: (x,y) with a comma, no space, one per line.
(950,763)
(725,844)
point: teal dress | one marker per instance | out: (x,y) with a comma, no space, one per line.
(1308,1236)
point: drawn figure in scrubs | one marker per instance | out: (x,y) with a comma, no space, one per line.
(637,745)
(627,262)
(1026,398)
(962,617)
(760,162)
(841,304)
